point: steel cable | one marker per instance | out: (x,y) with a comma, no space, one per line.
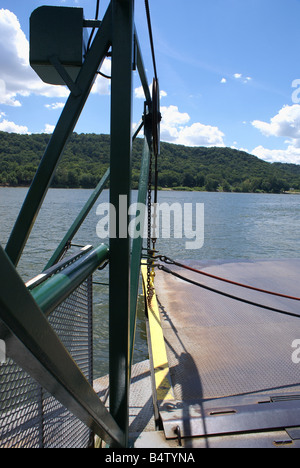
(209,275)
(151,36)
(230,296)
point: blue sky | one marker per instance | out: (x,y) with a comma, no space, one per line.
(229,74)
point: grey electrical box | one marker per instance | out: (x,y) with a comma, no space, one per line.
(56,33)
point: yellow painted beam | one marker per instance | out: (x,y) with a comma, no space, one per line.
(163,385)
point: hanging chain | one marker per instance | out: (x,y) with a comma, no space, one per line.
(150,268)
(152,214)
(151,235)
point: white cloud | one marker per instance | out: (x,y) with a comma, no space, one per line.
(172,122)
(55,105)
(102,85)
(201,135)
(171,115)
(289,155)
(7,98)
(240,77)
(11,127)
(284,124)
(48,128)
(139,92)
(223,80)
(174,129)
(17,78)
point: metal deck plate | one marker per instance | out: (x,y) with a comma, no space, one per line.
(218,347)
(141,415)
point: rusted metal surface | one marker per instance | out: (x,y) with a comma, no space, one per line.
(219,348)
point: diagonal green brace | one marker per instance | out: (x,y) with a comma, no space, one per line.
(78,221)
(137,242)
(62,132)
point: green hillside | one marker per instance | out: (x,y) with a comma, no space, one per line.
(86,158)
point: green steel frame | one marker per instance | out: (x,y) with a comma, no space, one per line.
(58,287)
(32,343)
(120,184)
(23,324)
(61,134)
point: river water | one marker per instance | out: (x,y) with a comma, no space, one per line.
(235,226)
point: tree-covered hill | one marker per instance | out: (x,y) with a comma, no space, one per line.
(86,158)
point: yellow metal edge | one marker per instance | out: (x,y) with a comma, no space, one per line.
(164,390)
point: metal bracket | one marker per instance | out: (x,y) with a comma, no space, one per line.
(293,432)
(91,23)
(73,87)
(156,116)
(202,419)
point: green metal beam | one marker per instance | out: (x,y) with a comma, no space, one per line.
(32,344)
(120,185)
(62,132)
(137,243)
(78,221)
(137,129)
(141,70)
(58,287)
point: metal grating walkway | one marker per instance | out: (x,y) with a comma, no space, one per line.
(30,416)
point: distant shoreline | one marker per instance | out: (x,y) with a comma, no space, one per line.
(167,189)
(87,157)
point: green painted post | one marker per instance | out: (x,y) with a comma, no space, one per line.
(141,70)
(120,185)
(137,243)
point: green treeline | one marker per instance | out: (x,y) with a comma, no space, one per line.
(86,158)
